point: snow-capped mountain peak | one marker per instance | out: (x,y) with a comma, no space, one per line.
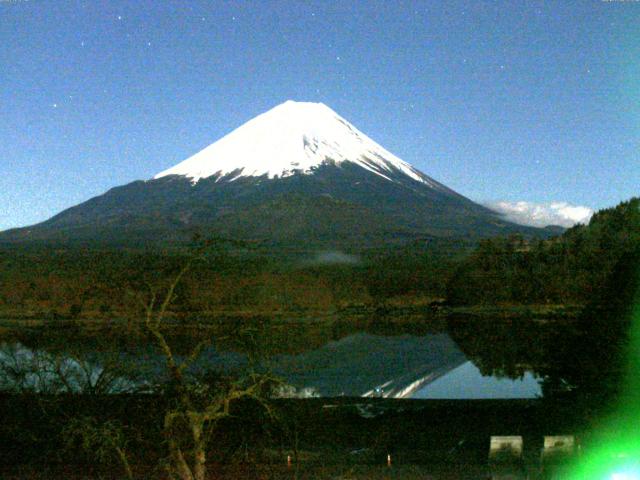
(293,137)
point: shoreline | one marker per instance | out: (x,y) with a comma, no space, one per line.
(384,313)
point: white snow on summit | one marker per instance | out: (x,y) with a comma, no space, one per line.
(294,137)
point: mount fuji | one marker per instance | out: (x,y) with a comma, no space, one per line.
(294,137)
(298,175)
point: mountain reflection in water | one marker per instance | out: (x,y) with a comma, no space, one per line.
(403,366)
(467,382)
(372,365)
(357,364)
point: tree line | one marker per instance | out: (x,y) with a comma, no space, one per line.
(88,283)
(569,269)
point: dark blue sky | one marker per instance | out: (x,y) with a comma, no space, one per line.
(536,101)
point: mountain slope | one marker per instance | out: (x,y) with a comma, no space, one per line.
(298,175)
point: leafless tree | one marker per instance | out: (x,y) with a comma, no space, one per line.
(196,406)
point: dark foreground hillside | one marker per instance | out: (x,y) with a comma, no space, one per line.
(325,438)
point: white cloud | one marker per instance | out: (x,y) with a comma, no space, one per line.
(542,214)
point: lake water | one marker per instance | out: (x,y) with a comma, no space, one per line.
(404,366)
(467,382)
(360,364)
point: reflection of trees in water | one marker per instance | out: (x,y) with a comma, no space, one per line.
(234,344)
(259,336)
(503,348)
(592,358)
(584,357)
(578,355)
(23,370)
(566,356)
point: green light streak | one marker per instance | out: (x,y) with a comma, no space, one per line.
(617,442)
(615,451)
